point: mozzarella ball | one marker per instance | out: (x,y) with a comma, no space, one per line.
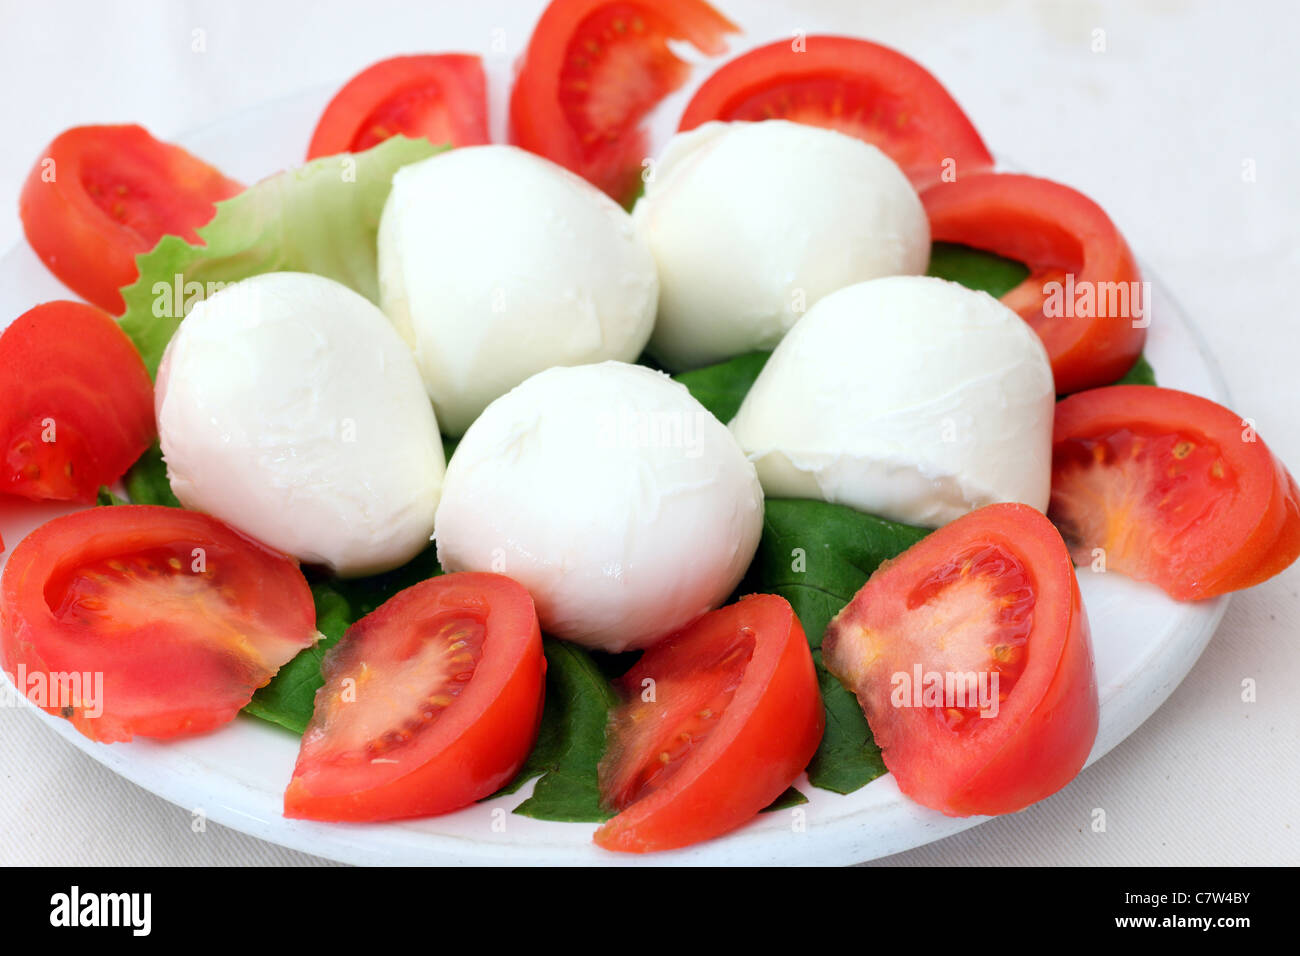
(751,223)
(612,495)
(495,264)
(909,397)
(288,407)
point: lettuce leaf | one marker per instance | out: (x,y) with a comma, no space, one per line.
(146,481)
(322,217)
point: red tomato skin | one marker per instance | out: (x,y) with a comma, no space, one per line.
(1265,537)
(538,122)
(459,76)
(31,636)
(62,350)
(480,759)
(1049,721)
(713,795)
(1285,548)
(1051,758)
(83,245)
(724,96)
(1052,229)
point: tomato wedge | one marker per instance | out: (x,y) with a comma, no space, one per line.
(733,717)
(141,620)
(431,702)
(76,403)
(440,97)
(100,195)
(593,70)
(1176,489)
(970,655)
(854,86)
(1083,296)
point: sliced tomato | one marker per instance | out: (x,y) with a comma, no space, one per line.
(1174,488)
(179,615)
(76,403)
(857,87)
(717,721)
(430,703)
(100,195)
(440,97)
(991,595)
(592,72)
(1084,295)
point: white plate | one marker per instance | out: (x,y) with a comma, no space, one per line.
(1144,643)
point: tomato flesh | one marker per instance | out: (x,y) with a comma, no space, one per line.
(1149,491)
(100,195)
(981,615)
(616,68)
(438,97)
(1172,489)
(428,670)
(183,616)
(717,721)
(431,702)
(76,403)
(592,72)
(653,742)
(411,111)
(970,656)
(855,87)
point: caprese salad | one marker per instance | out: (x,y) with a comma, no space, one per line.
(436,455)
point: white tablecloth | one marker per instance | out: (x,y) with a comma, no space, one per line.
(1158,128)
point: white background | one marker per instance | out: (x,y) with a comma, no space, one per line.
(1159,128)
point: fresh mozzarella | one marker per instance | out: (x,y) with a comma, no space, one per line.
(752,223)
(288,407)
(611,494)
(908,397)
(495,264)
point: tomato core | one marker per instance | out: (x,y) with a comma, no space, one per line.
(979,614)
(438,657)
(419,108)
(1118,486)
(688,706)
(614,73)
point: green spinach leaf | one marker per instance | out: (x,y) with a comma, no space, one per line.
(571,740)
(290,697)
(817,555)
(790,798)
(976,269)
(1140,374)
(847,757)
(722,387)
